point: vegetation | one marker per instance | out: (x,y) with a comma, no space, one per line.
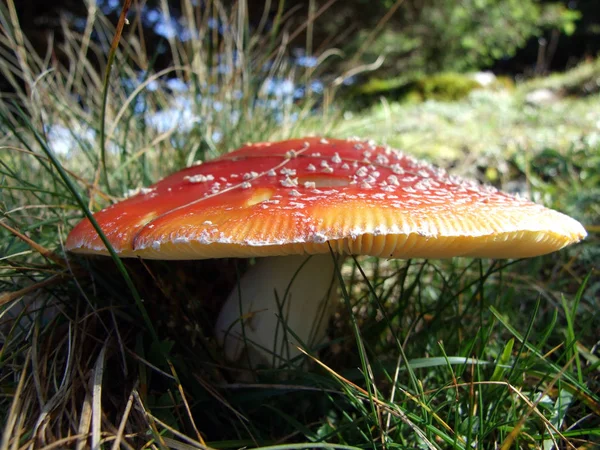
(459,35)
(400,38)
(582,80)
(446,86)
(423,354)
(487,126)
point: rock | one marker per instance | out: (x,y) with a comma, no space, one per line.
(541,97)
(485,79)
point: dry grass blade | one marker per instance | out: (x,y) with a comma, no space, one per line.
(111,56)
(97,399)
(10,296)
(163,137)
(72,174)
(508,442)
(20,429)
(85,420)
(119,437)
(131,97)
(62,443)
(20,41)
(532,406)
(15,408)
(395,411)
(187,406)
(152,421)
(34,245)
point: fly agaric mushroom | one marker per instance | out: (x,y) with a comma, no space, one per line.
(283,201)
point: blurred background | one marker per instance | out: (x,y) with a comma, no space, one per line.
(513,37)
(358,65)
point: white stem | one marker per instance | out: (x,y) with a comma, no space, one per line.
(278,298)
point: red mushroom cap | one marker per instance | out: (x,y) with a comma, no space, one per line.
(300,196)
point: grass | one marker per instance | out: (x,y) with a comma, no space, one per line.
(488,126)
(580,80)
(423,354)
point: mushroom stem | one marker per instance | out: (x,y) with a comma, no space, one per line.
(280,303)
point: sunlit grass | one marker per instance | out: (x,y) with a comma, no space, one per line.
(422,354)
(492,124)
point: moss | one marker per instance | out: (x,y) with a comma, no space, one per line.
(380,86)
(448,86)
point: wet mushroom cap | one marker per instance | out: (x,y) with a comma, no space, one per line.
(300,196)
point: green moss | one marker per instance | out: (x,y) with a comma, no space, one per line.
(448,86)
(380,86)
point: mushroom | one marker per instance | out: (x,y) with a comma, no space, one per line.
(282,201)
